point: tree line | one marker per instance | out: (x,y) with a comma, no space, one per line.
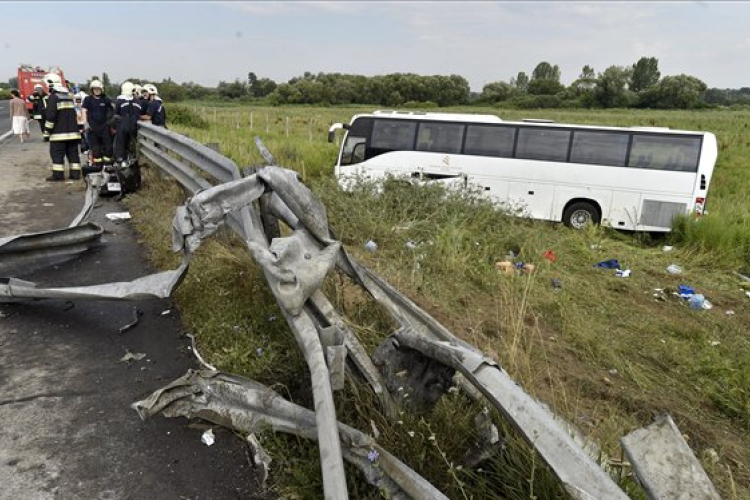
(640,85)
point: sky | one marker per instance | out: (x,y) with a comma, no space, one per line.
(484,41)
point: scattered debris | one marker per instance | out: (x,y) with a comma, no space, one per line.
(118,216)
(623,273)
(410,245)
(132,356)
(550,256)
(696,302)
(556,283)
(137,313)
(729,313)
(667,248)
(714,343)
(505,267)
(686,291)
(371,246)
(674,269)
(664,463)
(608,264)
(261,458)
(208,437)
(198,356)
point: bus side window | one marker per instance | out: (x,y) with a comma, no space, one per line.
(665,152)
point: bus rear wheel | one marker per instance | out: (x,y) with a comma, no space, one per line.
(580,214)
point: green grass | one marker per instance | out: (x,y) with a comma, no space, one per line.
(602,351)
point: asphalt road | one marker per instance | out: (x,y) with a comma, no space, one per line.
(5,125)
(68,431)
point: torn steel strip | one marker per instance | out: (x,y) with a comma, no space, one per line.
(580,476)
(49,244)
(665,465)
(94,182)
(248,406)
(155,286)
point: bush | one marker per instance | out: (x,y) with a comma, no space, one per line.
(182,115)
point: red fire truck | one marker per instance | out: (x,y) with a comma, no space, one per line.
(28,76)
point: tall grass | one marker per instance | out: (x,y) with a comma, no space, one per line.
(607,353)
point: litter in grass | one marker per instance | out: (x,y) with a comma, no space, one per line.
(118,216)
(674,269)
(667,248)
(608,264)
(623,273)
(371,246)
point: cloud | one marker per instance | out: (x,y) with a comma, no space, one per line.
(280,9)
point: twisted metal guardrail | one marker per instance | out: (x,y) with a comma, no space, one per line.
(295,267)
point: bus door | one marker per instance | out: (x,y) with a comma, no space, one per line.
(532,199)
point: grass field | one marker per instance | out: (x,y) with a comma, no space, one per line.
(607,353)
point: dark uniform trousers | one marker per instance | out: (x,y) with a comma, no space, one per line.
(58,151)
(100,141)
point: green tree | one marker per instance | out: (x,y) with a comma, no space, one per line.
(675,92)
(495,92)
(586,80)
(545,71)
(545,87)
(521,81)
(645,74)
(233,90)
(611,87)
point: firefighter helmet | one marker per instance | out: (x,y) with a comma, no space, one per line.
(52,80)
(151,89)
(126,88)
(137,89)
(96,84)
(38,86)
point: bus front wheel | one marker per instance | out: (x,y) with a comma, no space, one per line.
(580,214)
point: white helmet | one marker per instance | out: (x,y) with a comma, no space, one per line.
(126,88)
(137,89)
(96,84)
(38,86)
(52,80)
(151,89)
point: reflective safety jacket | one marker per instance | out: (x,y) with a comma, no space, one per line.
(38,105)
(61,119)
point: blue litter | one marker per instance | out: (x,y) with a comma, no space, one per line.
(519,265)
(686,291)
(608,264)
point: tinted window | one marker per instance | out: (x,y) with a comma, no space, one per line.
(489,141)
(393,134)
(600,148)
(661,152)
(543,144)
(440,137)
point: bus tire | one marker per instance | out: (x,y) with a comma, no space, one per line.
(579,214)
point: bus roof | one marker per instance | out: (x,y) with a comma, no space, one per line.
(477,118)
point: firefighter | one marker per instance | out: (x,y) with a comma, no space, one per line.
(62,127)
(38,102)
(143,99)
(98,111)
(127,114)
(155,113)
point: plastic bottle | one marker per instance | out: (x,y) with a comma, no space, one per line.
(696,302)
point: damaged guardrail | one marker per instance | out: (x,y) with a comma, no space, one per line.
(295,267)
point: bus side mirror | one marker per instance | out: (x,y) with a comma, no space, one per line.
(331,135)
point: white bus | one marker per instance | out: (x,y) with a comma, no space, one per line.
(636,178)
